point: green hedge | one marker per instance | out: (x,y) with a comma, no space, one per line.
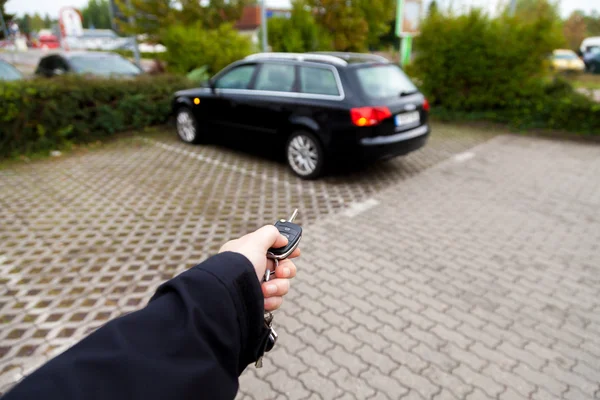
(46,114)
(472,66)
(558,108)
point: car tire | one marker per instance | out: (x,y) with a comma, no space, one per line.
(305,155)
(187,126)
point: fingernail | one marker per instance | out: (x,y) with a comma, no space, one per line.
(286,272)
(271,289)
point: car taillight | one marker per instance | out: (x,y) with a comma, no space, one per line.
(426,105)
(369,116)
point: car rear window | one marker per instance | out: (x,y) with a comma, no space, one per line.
(384,81)
(316,80)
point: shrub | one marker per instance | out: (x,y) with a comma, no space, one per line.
(299,33)
(477,67)
(45,114)
(191,47)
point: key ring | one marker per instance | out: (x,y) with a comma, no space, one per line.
(268,272)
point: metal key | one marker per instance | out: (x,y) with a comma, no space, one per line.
(293,233)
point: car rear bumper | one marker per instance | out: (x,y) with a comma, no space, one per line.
(381,147)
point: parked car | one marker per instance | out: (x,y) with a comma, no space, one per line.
(592,60)
(86,63)
(46,42)
(566,61)
(319,107)
(8,72)
(589,43)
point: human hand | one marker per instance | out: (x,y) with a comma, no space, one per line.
(254,247)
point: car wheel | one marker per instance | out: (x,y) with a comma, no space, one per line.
(305,155)
(187,128)
(593,68)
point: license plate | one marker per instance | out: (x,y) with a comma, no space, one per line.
(408,118)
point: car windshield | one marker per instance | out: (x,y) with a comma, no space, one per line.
(565,56)
(103,65)
(384,81)
(9,73)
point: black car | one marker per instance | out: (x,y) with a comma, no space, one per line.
(592,63)
(86,63)
(8,72)
(320,107)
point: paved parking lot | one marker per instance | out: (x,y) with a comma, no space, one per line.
(465,270)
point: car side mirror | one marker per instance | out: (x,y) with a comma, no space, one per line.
(212,85)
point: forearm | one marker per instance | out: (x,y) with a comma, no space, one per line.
(193,340)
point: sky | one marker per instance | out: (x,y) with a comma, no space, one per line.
(52,6)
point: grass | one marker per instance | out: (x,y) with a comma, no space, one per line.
(585,81)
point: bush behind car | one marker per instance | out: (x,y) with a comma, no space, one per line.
(41,114)
(472,66)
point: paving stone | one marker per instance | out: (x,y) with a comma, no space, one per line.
(488,286)
(353,384)
(384,383)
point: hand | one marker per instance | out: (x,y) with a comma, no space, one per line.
(255,246)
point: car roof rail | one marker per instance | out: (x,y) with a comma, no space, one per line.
(327,58)
(356,56)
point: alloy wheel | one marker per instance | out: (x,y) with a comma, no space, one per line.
(303,155)
(186,126)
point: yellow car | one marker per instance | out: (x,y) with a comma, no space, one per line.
(566,61)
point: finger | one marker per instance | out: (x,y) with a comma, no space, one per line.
(295,253)
(273,303)
(286,269)
(268,236)
(275,288)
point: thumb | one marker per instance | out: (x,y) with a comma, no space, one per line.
(268,236)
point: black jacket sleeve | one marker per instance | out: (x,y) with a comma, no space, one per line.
(192,341)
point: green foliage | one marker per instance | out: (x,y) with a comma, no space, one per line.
(471,62)
(357,25)
(299,33)
(152,16)
(190,47)
(97,14)
(199,75)
(495,69)
(47,114)
(345,22)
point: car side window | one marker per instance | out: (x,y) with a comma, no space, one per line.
(276,78)
(316,80)
(237,78)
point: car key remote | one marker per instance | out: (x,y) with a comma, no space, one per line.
(292,232)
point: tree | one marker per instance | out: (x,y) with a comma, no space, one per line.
(7,17)
(47,22)
(433,8)
(355,25)
(575,29)
(538,11)
(153,15)
(299,33)
(592,23)
(345,22)
(37,23)
(25,24)
(96,14)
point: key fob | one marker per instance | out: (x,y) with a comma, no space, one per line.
(292,232)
